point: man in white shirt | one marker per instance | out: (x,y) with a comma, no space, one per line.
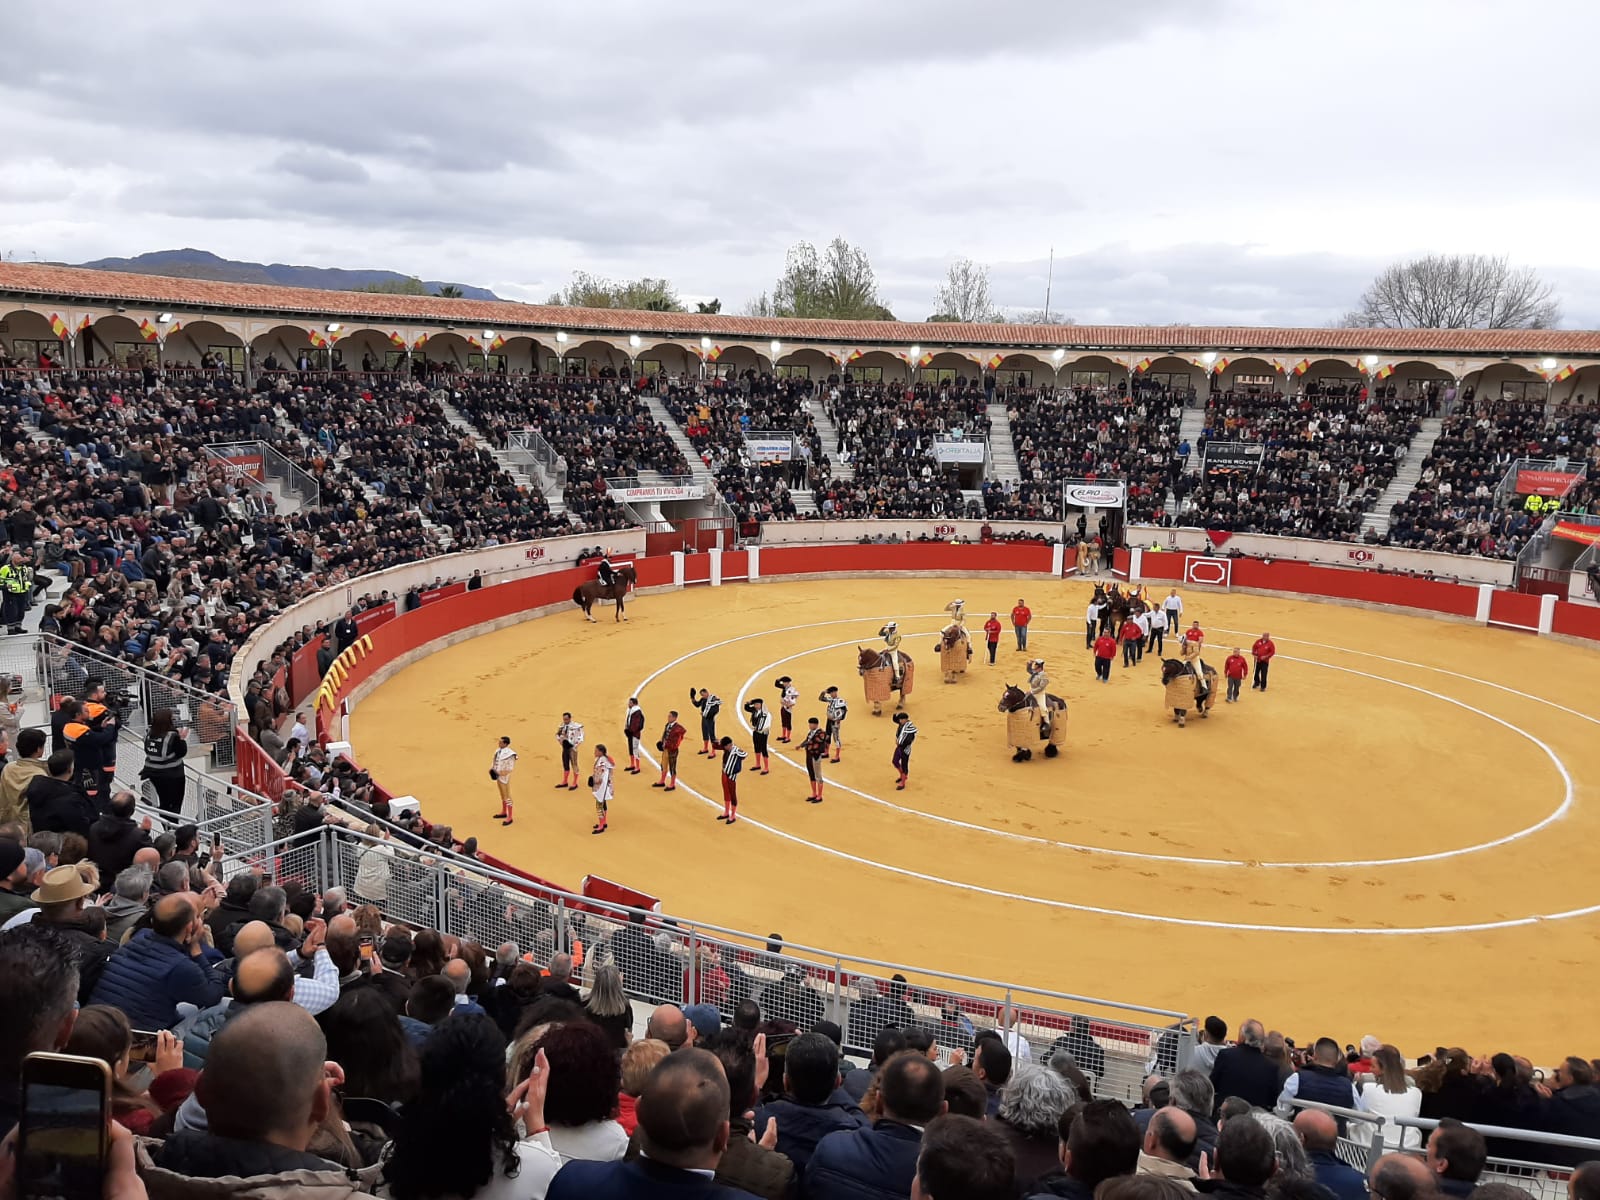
(1158,630)
(1091,619)
(505,761)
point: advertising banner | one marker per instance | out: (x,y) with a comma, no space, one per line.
(370,619)
(1094,495)
(959,452)
(246,466)
(1546,483)
(1233,456)
(1589,535)
(691,491)
(766,450)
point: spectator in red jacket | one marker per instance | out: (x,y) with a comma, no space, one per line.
(1020,616)
(1132,639)
(1262,651)
(991,635)
(1235,669)
(1105,649)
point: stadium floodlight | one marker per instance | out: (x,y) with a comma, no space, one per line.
(1547,364)
(165,318)
(561,336)
(635,340)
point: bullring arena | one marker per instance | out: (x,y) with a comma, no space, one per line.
(1403,804)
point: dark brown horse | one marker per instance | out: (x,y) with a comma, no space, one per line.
(585,595)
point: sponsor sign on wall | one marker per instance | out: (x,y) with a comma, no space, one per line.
(1546,483)
(1095,495)
(1233,456)
(960,452)
(770,449)
(688,491)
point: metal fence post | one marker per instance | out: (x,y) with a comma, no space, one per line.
(1005,1015)
(836,1000)
(691,989)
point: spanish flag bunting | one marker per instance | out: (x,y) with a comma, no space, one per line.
(422,340)
(1301,367)
(317,339)
(1385,371)
(85,322)
(1361,365)
(1564,373)
(714,353)
(835,356)
(853,355)
(1142,365)
(398,342)
(994,360)
(927,357)
(57,325)
(148,331)
(497,343)
(1219,366)
(1277,365)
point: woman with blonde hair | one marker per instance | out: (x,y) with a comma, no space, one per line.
(607,1006)
(638,1060)
(1389,1094)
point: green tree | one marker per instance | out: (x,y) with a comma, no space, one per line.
(708,306)
(593,291)
(839,284)
(409,286)
(450,292)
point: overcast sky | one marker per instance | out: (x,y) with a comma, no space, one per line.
(1236,161)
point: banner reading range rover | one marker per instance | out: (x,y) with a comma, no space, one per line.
(1234,456)
(1089,493)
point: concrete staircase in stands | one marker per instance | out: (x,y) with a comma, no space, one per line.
(1377,518)
(547,488)
(1003,465)
(829,433)
(697,467)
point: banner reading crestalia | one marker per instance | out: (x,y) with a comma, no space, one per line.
(1546,483)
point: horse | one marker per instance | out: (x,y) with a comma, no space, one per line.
(586,595)
(955,650)
(1186,689)
(1024,727)
(876,669)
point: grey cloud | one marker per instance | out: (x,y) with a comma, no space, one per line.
(320,166)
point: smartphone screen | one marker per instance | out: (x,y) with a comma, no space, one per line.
(62,1141)
(143,1046)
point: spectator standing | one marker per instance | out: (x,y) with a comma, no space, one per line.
(1235,669)
(115,837)
(1390,1093)
(1574,1107)
(1105,649)
(1021,616)
(747,1163)
(864,1164)
(961,1158)
(638,1060)
(15,778)
(1244,1071)
(1031,1107)
(991,635)
(165,749)
(1213,1041)
(607,1006)
(1263,651)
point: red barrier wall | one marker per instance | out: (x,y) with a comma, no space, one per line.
(1516,609)
(1576,620)
(1369,587)
(1022,557)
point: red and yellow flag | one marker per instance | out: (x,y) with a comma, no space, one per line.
(422,340)
(57,325)
(1301,367)
(853,355)
(1277,365)
(398,342)
(927,357)
(1143,365)
(1218,367)
(1564,373)
(994,360)
(148,331)
(1385,371)
(497,343)
(317,338)
(714,353)
(85,322)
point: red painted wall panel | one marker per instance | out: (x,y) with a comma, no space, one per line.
(912,556)
(1576,620)
(1514,608)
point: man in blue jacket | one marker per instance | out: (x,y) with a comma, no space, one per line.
(162,967)
(1319,1134)
(880,1163)
(808,1112)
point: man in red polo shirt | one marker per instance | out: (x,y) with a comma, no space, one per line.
(1262,651)
(991,635)
(1235,669)
(1132,638)
(1195,634)
(1020,616)
(1105,649)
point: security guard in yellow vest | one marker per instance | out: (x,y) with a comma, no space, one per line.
(16,586)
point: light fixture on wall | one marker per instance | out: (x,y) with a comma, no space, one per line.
(635,340)
(777,349)
(1547,364)
(705,343)
(561,337)
(1209,357)
(334,327)
(164,318)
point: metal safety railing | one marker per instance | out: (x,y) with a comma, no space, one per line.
(1530,1159)
(1507,489)
(678,961)
(528,449)
(44,668)
(293,481)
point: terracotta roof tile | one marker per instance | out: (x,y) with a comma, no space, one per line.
(20,281)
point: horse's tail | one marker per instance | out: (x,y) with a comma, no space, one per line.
(577,594)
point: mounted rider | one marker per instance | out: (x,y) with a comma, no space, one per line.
(1038,687)
(1189,650)
(608,573)
(890,634)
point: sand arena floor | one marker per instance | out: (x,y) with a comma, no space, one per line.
(1392,840)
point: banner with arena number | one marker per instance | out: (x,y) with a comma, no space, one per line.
(1233,456)
(1546,483)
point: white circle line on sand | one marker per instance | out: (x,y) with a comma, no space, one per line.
(1070,906)
(1145,856)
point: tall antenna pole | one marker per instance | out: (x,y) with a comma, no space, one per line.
(1049,280)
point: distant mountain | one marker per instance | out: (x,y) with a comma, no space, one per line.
(202,264)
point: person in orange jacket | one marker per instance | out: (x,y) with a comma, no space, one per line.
(1236,668)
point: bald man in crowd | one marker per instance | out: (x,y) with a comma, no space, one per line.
(1401,1177)
(669,1025)
(1168,1144)
(266,1089)
(559,981)
(162,967)
(1319,1134)
(459,976)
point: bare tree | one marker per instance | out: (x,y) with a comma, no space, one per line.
(964,295)
(837,283)
(1037,316)
(1457,291)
